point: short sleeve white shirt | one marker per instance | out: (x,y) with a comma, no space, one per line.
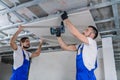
(18,57)
(89,53)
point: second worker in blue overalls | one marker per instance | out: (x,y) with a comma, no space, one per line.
(22,57)
(86,52)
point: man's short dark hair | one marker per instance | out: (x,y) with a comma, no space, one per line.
(95,31)
(23,39)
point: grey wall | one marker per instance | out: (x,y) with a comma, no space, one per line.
(58,65)
(5,71)
(118,74)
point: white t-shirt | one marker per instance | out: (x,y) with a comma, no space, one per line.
(89,53)
(18,57)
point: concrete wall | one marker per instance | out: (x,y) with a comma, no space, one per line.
(118,74)
(5,71)
(59,65)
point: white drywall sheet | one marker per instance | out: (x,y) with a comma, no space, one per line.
(42,28)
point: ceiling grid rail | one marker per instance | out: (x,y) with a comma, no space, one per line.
(115,13)
(30,3)
(14,12)
(27,4)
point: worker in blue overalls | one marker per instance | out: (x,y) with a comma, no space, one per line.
(22,57)
(86,52)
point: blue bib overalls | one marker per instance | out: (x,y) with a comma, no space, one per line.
(22,72)
(82,73)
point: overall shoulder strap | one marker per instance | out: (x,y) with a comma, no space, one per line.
(23,53)
(96,64)
(79,46)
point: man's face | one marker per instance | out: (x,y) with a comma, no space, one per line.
(88,32)
(26,44)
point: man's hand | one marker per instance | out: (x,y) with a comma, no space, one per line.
(41,41)
(14,37)
(64,15)
(38,51)
(58,33)
(20,28)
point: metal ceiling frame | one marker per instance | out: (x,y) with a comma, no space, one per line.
(14,12)
(115,13)
(113,3)
(30,3)
(105,20)
(100,5)
(27,4)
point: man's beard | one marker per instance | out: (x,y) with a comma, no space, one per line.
(26,47)
(83,33)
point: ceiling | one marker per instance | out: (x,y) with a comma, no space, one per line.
(105,15)
(79,19)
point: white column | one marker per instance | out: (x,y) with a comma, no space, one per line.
(108,59)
